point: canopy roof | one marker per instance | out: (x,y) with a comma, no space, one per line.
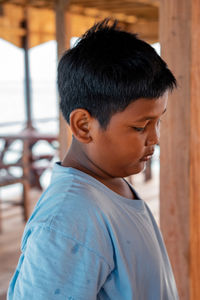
(136,15)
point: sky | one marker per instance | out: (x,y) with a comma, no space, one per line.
(42,59)
(43,65)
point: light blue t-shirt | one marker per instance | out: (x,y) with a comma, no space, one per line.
(86,242)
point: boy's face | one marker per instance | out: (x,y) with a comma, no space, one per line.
(129,139)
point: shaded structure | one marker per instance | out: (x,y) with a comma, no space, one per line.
(140,15)
(180,139)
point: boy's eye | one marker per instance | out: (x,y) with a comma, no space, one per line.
(140,129)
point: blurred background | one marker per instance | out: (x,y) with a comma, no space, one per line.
(33,134)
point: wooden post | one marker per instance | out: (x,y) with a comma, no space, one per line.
(63,41)
(195,153)
(27,81)
(180,144)
(26,176)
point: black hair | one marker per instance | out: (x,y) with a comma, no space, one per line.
(107,70)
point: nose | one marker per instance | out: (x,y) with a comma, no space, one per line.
(153,137)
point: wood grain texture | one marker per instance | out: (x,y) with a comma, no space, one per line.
(174,173)
(180,145)
(195,154)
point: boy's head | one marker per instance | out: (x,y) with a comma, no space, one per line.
(113,90)
(107,70)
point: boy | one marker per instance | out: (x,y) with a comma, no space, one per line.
(90,235)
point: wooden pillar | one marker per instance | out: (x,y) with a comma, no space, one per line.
(180,144)
(63,43)
(27,80)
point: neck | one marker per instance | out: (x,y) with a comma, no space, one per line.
(78,159)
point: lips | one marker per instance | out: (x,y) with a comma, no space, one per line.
(147,156)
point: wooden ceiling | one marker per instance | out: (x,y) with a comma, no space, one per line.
(122,5)
(139,16)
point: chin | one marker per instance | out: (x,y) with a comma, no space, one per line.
(126,171)
(137,168)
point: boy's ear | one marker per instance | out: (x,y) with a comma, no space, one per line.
(80,124)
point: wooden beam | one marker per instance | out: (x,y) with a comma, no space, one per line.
(180,144)
(195,154)
(93,12)
(138,10)
(115,2)
(81,23)
(20,31)
(147,30)
(5,30)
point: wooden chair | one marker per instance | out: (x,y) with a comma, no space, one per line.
(30,164)
(7,178)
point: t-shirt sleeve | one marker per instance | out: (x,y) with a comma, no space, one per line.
(54,266)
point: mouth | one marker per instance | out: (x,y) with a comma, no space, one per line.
(146,157)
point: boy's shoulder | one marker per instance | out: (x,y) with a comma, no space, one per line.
(69,209)
(72,189)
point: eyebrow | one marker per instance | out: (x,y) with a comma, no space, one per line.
(149,118)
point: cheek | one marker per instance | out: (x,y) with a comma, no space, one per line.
(130,148)
(138,144)
(126,146)
(135,143)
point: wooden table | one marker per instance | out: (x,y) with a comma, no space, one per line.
(28,161)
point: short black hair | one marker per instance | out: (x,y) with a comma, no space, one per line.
(107,70)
